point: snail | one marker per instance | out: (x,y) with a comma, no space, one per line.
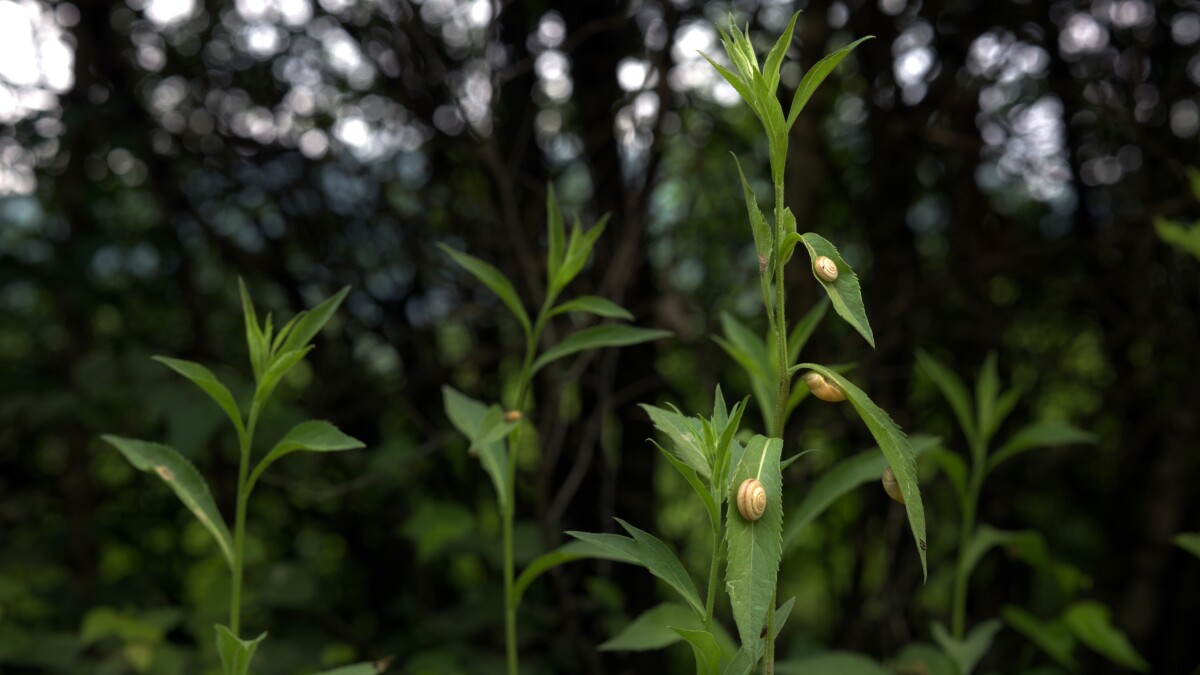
(825,268)
(752,499)
(891,487)
(512,416)
(823,388)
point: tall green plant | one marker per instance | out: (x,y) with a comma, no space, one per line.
(980,417)
(272,356)
(489,427)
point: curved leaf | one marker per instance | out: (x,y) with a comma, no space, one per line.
(356,669)
(236,653)
(754,546)
(686,438)
(568,552)
(896,448)
(844,291)
(1092,624)
(596,337)
(831,663)
(816,75)
(953,389)
(478,423)
(306,325)
(579,249)
(652,630)
(184,479)
(1188,541)
(924,658)
(966,653)
(311,436)
(493,279)
(689,474)
(1039,435)
(279,367)
(705,649)
(593,304)
(1052,637)
(203,377)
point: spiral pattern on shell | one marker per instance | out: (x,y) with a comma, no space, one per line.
(752,499)
(825,268)
(823,388)
(891,487)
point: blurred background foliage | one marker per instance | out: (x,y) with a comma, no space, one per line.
(992,169)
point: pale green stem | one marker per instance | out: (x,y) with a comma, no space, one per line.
(785,381)
(713,571)
(969,508)
(239,528)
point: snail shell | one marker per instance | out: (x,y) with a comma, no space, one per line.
(512,416)
(752,499)
(891,487)
(823,388)
(825,268)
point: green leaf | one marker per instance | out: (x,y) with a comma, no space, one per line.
(493,279)
(686,439)
(1052,637)
(953,389)
(203,377)
(896,448)
(183,478)
(648,551)
(1179,235)
(844,292)
(985,538)
(578,252)
(775,56)
(689,474)
(705,649)
(758,223)
(846,475)
(596,337)
(954,468)
(743,660)
(754,546)
(255,342)
(1188,541)
(923,658)
(750,352)
(651,630)
(356,669)
(967,653)
(1092,624)
(1039,435)
(311,436)
(804,328)
(592,304)
(814,77)
(478,423)
(236,654)
(735,81)
(309,323)
(556,233)
(279,368)
(987,390)
(569,552)
(831,663)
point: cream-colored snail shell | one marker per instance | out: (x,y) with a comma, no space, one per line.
(512,416)
(823,388)
(891,487)
(752,499)
(825,268)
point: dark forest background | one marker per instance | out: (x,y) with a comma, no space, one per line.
(991,169)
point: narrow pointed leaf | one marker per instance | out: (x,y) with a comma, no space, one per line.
(689,474)
(235,653)
(1092,624)
(1039,435)
(896,448)
(848,474)
(597,337)
(763,237)
(954,468)
(254,337)
(831,663)
(967,653)
(987,390)
(844,291)
(743,661)
(203,377)
(735,81)
(568,552)
(184,479)
(775,56)
(578,252)
(475,420)
(356,669)
(686,444)
(804,328)
(1188,541)
(592,304)
(312,321)
(495,280)
(651,630)
(1052,637)
(279,368)
(985,538)
(952,389)
(754,546)
(311,436)
(648,551)
(705,649)
(556,233)
(815,76)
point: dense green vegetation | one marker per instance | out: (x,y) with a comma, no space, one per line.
(1003,188)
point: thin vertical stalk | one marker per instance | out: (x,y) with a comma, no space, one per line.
(969,507)
(785,381)
(239,528)
(713,571)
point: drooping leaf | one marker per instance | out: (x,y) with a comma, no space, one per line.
(1091,622)
(1052,637)
(235,653)
(702,491)
(754,546)
(831,663)
(311,436)
(844,292)
(896,448)
(1039,435)
(183,478)
(310,322)
(203,377)
(568,552)
(495,280)
(966,653)
(705,649)
(475,420)
(815,76)
(846,475)
(597,337)
(687,445)
(592,304)
(644,549)
(953,389)
(763,238)
(652,630)
(1188,541)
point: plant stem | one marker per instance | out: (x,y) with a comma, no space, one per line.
(713,569)
(524,382)
(969,506)
(239,528)
(785,381)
